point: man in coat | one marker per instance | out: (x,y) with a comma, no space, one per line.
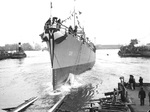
(149,97)
(142,96)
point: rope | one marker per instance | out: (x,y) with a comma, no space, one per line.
(70,32)
(71,17)
(78,22)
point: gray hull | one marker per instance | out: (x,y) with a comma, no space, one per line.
(71,56)
(60,75)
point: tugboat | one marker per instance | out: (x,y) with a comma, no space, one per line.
(132,51)
(70,50)
(19,53)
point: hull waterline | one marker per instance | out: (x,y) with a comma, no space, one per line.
(60,75)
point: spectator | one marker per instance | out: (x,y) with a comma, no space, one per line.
(134,83)
(131,82)
(142,96)
(149,97)
(141,81)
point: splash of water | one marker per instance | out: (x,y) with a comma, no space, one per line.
(73,81)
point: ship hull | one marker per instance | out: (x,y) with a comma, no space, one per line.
(72,55)
(69,48)
(141,54)
(60,75)
(18,55)
(146,54)
(4,56)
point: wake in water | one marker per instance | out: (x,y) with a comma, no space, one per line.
(72,82)
(50,97)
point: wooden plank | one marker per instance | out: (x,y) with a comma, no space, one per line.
(21,106)
(57,105)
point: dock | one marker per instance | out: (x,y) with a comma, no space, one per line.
(121,99)
(130,102)
(133,96)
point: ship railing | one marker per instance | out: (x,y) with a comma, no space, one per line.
(79,34)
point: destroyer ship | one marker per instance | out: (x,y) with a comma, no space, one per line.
(71,52)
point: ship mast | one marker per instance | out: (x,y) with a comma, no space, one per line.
(51,9)
(74,14)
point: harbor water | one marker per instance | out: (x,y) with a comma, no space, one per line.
(21,79)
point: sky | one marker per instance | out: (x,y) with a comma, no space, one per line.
(106,21)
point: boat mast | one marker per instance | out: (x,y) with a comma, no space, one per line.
(51,9)
(74,14)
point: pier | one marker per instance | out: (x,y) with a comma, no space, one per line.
(121,99)
(133,97)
